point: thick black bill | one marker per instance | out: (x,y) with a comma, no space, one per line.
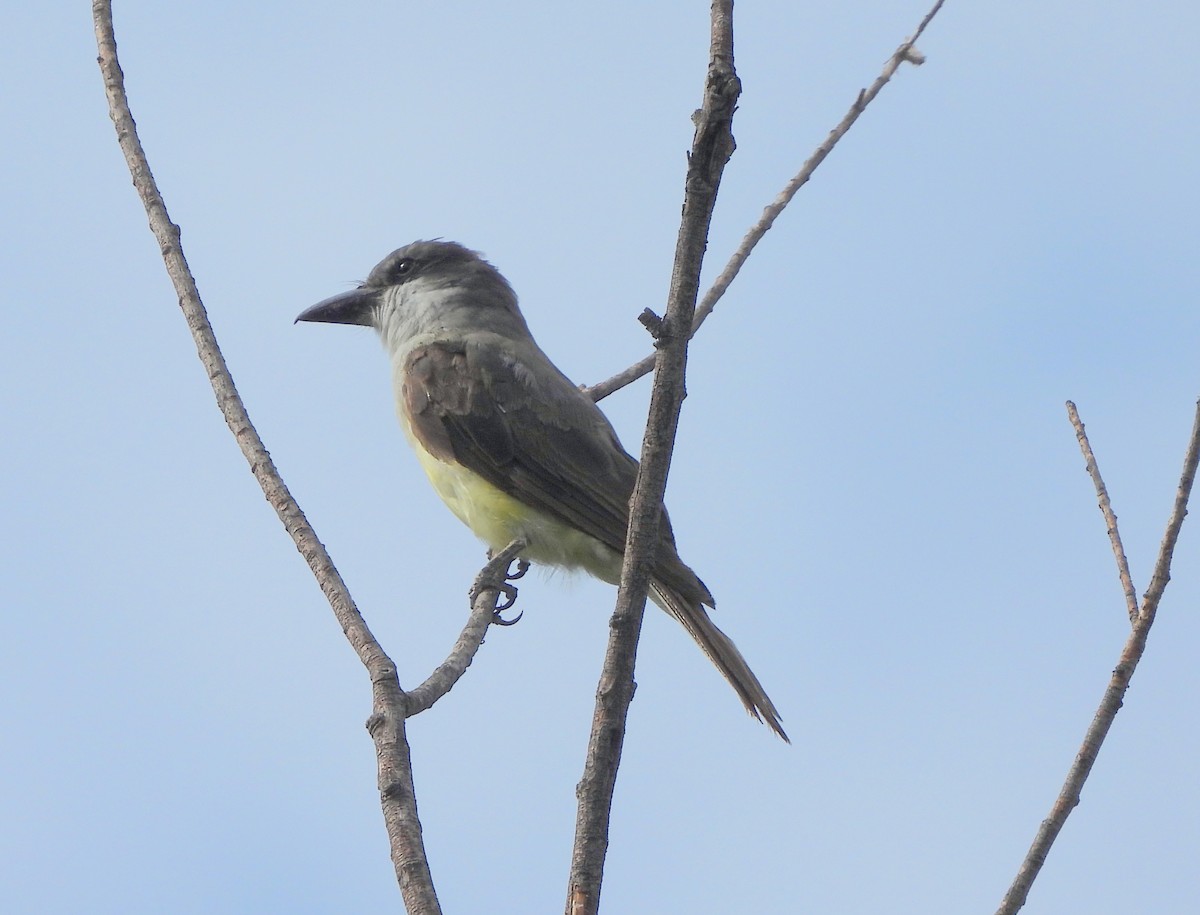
(354,307)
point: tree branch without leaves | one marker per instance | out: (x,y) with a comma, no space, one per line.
(906,53)
(615,690)
(390,705)
(711,149)
(483,611)
(1131,654)
(1110,519)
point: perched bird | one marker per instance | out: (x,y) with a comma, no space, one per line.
(510,444)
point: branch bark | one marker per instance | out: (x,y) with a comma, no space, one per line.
(388,706)
(1114,694)
(905,53)
(711,148)
(484,593)
(1110,519)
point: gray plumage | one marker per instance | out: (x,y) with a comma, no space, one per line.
(476,392)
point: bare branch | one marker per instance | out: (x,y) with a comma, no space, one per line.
(711,149)
(906,53)
(487,588)
(386,723)
(1131,654)
(1162,567)
(1110,519)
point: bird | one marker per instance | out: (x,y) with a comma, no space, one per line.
(510,444)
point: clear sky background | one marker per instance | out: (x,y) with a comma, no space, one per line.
(874,474)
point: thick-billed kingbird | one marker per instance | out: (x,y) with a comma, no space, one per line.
(510,444)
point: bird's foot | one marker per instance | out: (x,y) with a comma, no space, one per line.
(507,593)
(510,594)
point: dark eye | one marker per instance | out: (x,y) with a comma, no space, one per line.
(404,268)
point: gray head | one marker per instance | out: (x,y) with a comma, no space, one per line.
(427,287)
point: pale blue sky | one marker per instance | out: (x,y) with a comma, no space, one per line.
(875,474)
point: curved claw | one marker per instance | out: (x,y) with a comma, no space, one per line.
(506,593)
(522,568)
(509,593)
(498,620)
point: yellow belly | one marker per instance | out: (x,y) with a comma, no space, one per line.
(498,519)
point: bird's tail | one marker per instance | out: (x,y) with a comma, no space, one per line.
(721,651)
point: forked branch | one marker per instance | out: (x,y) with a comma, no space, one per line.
(485,591)
(906,53)
(1131,654)
(390,705)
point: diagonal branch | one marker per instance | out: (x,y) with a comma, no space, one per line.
(1110,518)
(1131,654)
(711,149)
(386,723)
(1162,566)
(483,611)
(905,53)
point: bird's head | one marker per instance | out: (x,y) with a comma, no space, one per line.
(428,287)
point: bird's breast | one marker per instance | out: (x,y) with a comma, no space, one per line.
(498,519)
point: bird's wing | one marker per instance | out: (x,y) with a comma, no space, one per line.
(535,436)
(510,416)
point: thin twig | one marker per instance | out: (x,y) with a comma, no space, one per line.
(1162,567)
(1131,654)
(483,609)
(906,53)
(386,723)
(1110,519)
(711,149)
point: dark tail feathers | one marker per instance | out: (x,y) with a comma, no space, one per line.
(721,651)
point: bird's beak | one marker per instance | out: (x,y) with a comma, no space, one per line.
(354,307)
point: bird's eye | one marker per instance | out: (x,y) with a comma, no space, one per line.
(404,268)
